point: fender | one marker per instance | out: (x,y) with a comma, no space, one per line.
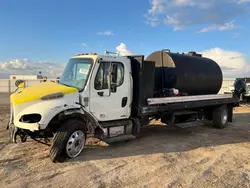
(92,124)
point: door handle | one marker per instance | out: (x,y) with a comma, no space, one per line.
(100,93)
(124,101)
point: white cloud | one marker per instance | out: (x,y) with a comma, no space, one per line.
(123,50)
(24,66)
(85,45)
(184,2)
(243,1)
(106,33)
(226,26)
(232,63)
(173,21)
(211,15)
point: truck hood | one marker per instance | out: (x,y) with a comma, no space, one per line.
(39,90)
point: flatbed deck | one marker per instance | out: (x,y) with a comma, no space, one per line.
(169,104)
(168,100)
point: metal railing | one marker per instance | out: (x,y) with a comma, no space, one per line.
(8,86)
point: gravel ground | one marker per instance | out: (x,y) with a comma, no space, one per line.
(161,157)
(4,99)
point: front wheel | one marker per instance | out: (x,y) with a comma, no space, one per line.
(68,141)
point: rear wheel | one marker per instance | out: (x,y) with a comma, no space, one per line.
(220,117)
(68,141)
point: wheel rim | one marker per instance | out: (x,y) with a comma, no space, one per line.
(224,117)
(75,143)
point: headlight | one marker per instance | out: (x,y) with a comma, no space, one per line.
(30,118)
(52,96)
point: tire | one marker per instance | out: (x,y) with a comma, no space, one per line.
(70,131)
(220,117)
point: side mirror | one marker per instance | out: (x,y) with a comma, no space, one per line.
(113,86)
(20,83)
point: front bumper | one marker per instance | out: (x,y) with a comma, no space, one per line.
(28,126)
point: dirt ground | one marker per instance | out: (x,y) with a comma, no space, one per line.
(162,157)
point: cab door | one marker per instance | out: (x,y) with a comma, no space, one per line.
(107,103)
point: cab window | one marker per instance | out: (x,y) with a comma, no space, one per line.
(103,75)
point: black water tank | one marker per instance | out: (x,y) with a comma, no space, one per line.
(190,73)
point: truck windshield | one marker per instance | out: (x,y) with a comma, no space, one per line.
(76,73)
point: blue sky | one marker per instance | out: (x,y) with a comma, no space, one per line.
(50,32)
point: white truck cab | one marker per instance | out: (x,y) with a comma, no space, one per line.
(104,93)
(97,88)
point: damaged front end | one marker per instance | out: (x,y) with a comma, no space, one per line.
(32,109)
(15,133)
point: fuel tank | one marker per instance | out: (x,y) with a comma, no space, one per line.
(190,73)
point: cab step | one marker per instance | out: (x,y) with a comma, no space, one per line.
(188,124)
(121,138)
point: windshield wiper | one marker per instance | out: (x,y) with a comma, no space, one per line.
(65,84)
